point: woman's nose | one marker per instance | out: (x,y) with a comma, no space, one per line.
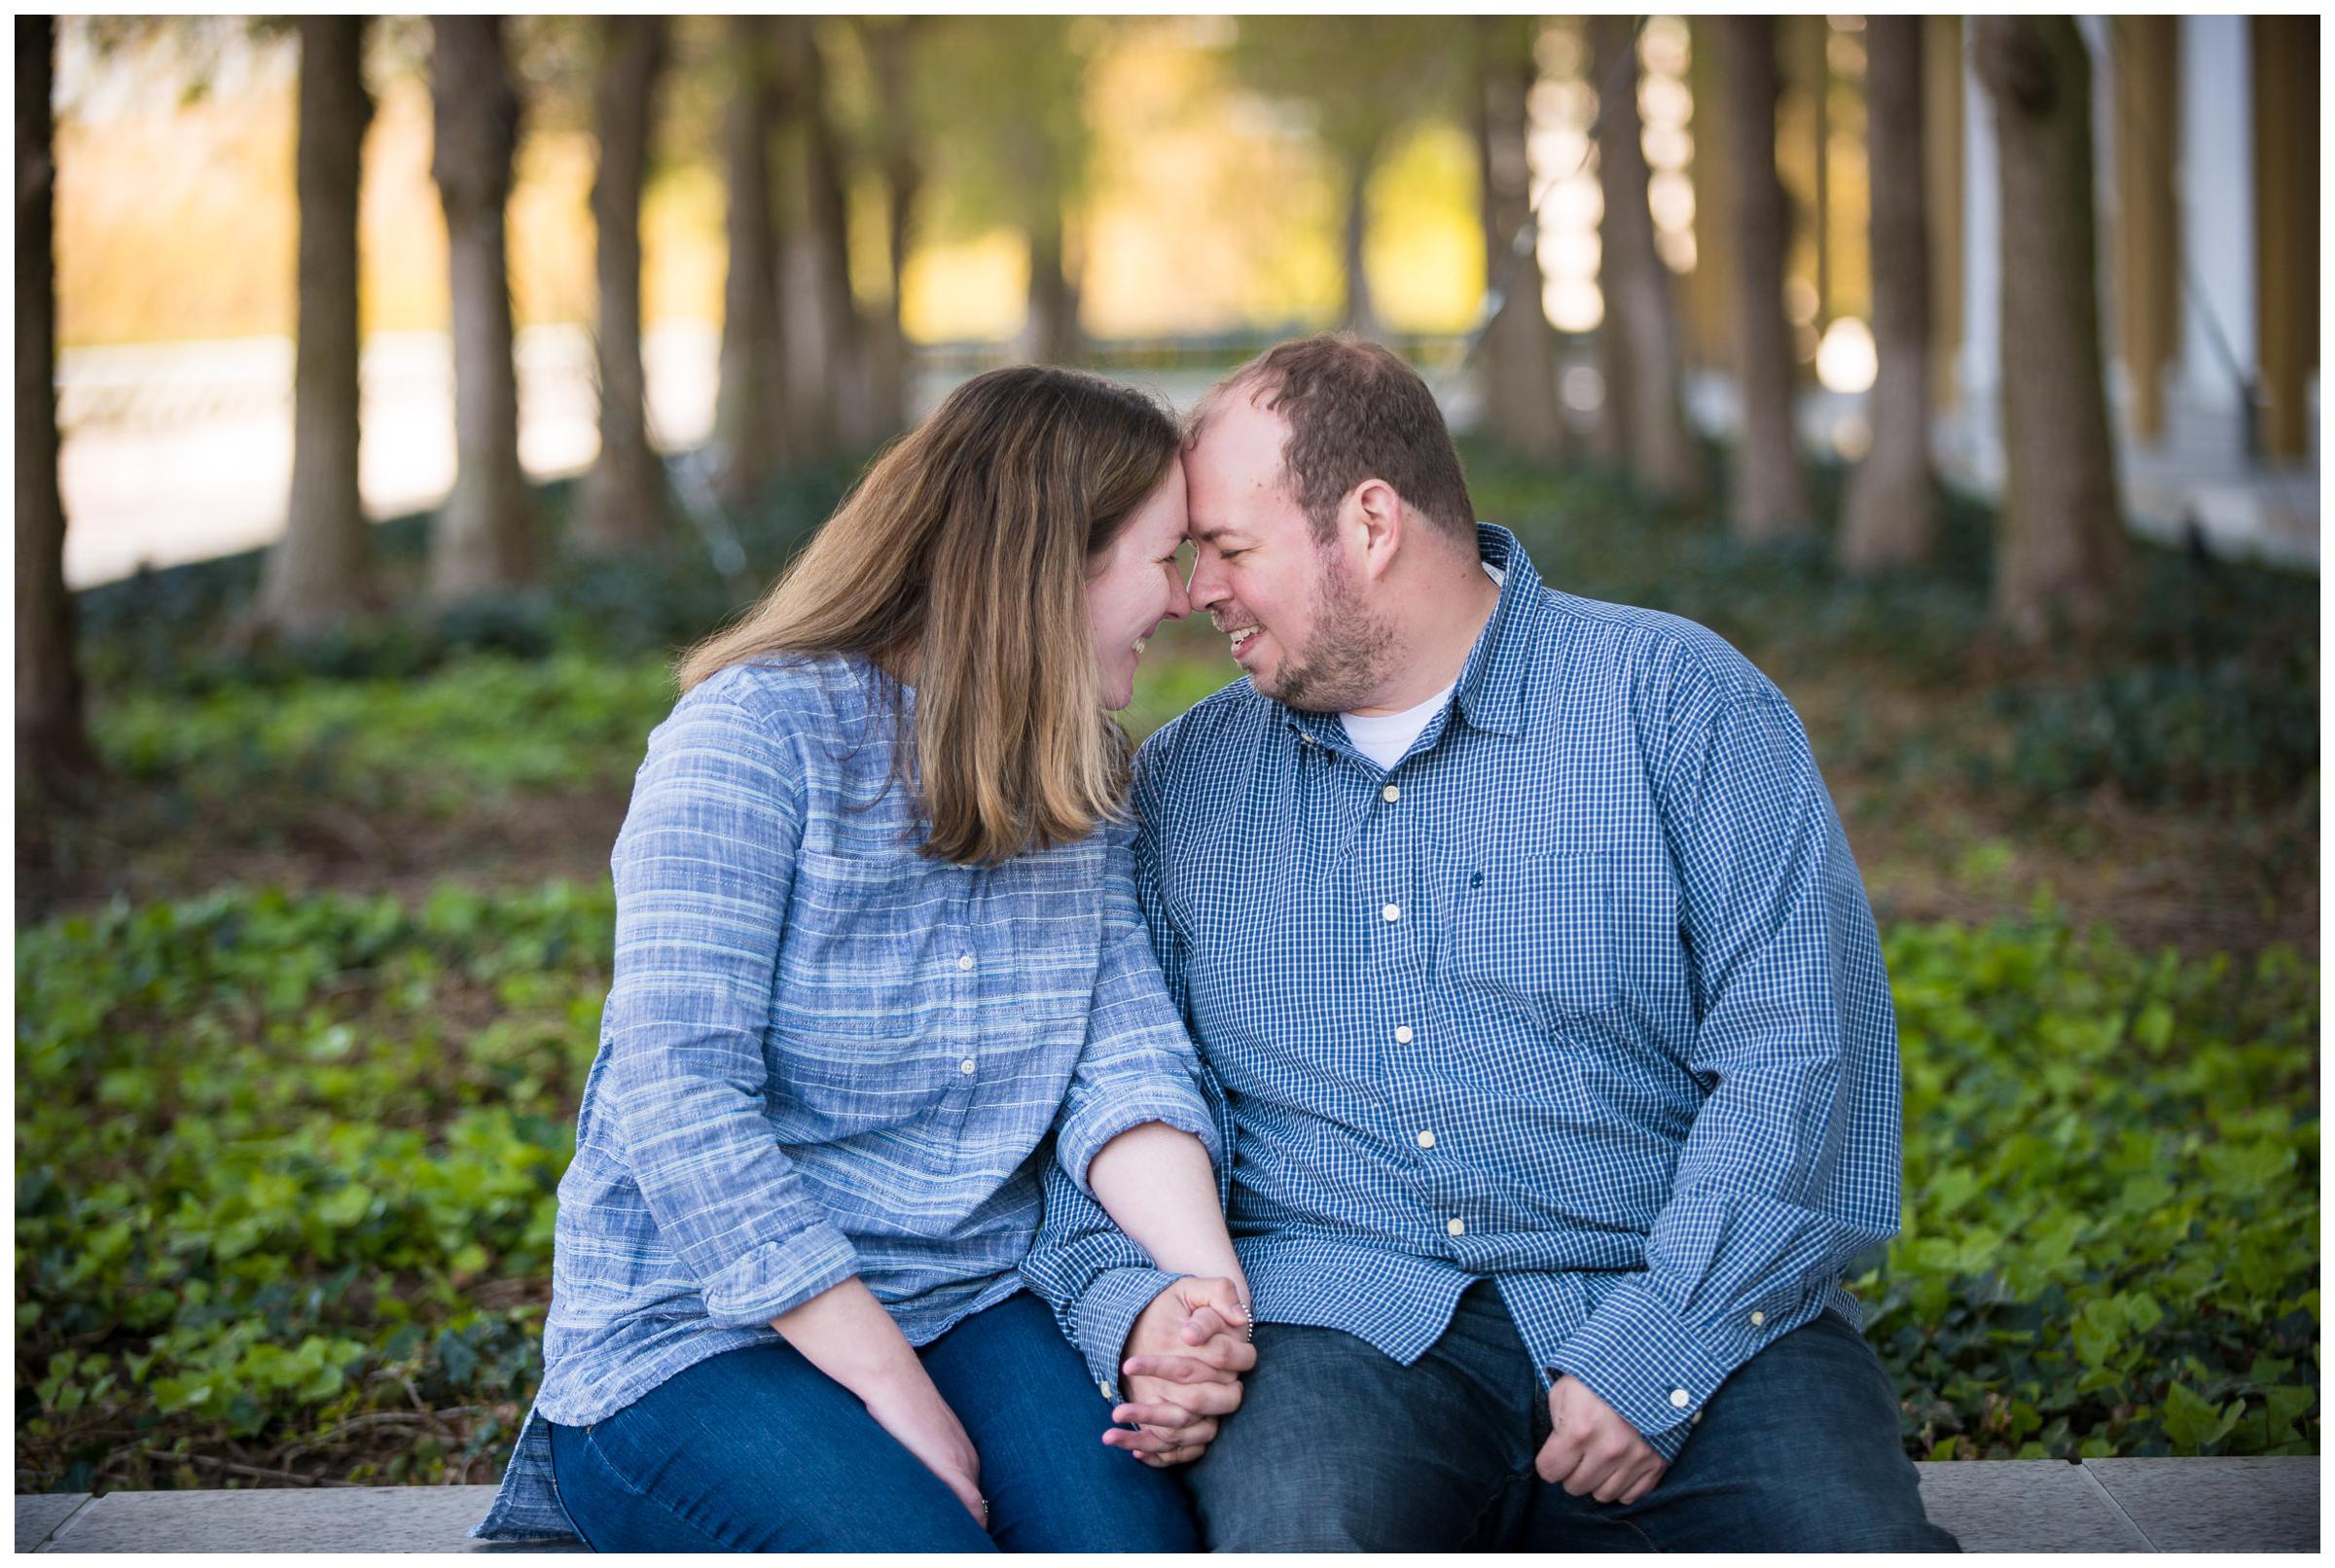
(1179,600)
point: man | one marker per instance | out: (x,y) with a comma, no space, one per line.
(1548,1027)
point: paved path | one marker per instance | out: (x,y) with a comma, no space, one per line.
(177,453)
(2041,1505)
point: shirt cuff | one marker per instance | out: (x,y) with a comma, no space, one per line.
(1105,1315)
(1103,1117)
(780,1276)
(1635,1354)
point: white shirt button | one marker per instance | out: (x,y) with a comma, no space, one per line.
(1402,1034)
(1393,912)
(1458,1227)
(1427,1140)
(1104,1389)
(965,1066)
(1679,1398)
(1390,793)
(1696,1419)
(1758,1318)
(965,962)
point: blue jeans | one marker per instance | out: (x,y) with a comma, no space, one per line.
(1338,1448)
(758,1450)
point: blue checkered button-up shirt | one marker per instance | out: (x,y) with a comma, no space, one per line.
(1582,996)
(824,1055)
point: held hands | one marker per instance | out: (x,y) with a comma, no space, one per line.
(1185,1357)
(1593,1452)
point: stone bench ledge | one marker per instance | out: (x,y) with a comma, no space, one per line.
(2004,1505)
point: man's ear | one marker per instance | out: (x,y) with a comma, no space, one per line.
(1374,511)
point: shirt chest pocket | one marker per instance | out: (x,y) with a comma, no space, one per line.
(1538,931)
(824,1087)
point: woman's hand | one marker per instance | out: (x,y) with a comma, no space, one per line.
(846,1333)
(920,1421)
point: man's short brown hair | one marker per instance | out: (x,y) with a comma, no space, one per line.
(1356,412)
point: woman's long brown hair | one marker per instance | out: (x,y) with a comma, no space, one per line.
(961,554)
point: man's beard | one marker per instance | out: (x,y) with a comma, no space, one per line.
(1348,657)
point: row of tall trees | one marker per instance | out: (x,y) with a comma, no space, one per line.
(814,362)
(2062,557)
(810,366)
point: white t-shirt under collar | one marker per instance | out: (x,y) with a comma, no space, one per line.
(1383,737)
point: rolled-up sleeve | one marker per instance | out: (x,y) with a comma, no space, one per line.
(702,868)
(1138,1064)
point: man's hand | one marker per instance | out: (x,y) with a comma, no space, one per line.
(1185,1357)
(1592,1452)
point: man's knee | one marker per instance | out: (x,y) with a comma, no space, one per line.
(1287,1476)
(1802,1453)
(1339,1447)
(1294,1507)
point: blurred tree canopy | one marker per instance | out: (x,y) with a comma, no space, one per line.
(1357,83)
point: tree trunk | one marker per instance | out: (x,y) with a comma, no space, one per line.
(624,506)
(53,743)
(1640,338)
(1892,515)
(844,368)
(1706,295)
(320,572)
(751,424)
(2061,558)
(1051,335)
(1360,314)
(1770,499)
(889,49)
(1521,410)
(887,345)
(485,541)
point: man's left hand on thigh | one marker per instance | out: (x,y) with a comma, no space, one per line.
(1592,1452)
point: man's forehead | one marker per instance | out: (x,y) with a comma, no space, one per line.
(1240,449)
(1238,415)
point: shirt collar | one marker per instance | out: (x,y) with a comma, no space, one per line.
(1491,683)
(1490,694)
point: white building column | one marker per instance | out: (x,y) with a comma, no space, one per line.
(2099,43)
(2213,181)
(1971,445)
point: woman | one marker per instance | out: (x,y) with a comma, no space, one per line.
(876,942)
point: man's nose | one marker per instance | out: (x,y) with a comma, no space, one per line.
(1207,588)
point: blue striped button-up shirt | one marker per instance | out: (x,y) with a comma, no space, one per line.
(823,1056)
(1582,996)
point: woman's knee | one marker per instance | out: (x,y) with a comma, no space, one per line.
(1139,1510)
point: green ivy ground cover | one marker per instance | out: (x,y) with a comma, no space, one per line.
(285,1173)
(483,723)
